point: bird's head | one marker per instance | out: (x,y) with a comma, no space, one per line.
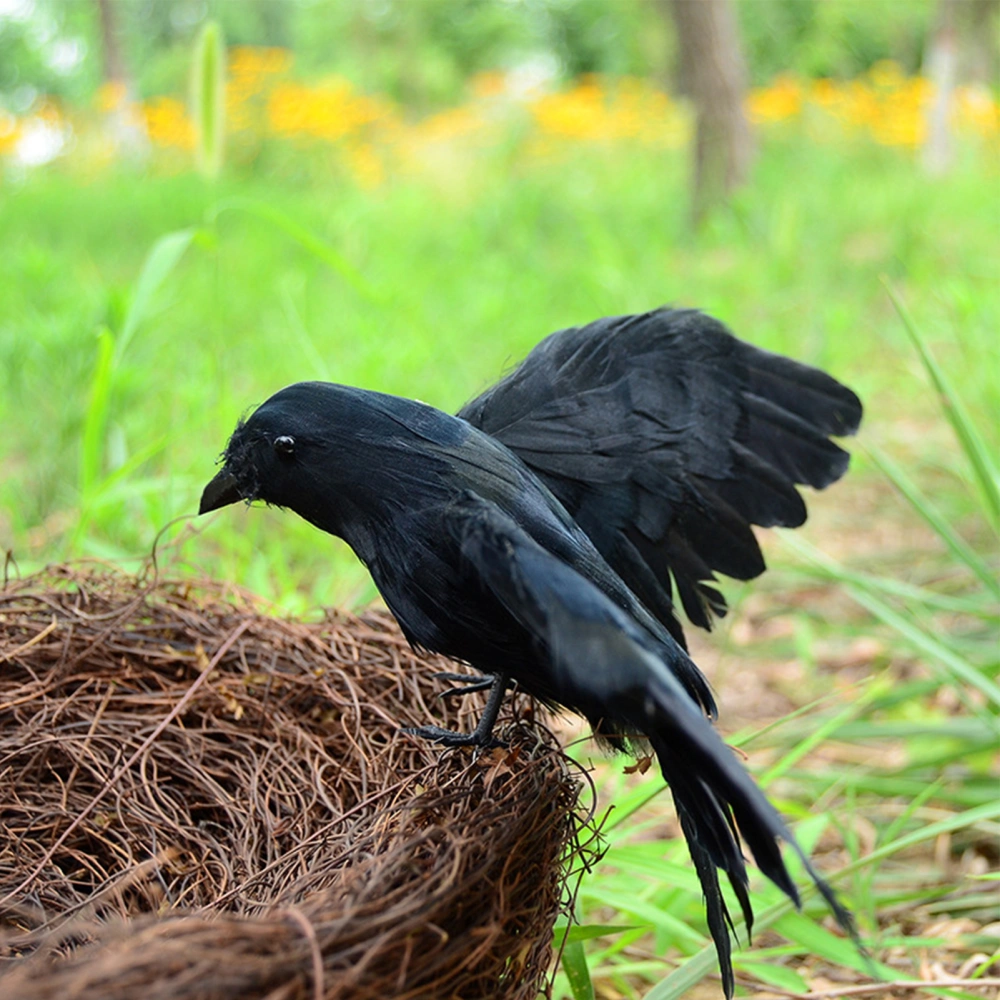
(277,452)
(336,455)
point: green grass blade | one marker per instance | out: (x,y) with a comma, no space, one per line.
(686,976)
(986,472)
(822,733)
(630,803)
(574,963)
(208,97)
(587,932)
(647,912)
(775,975)
(975,605)
(956,666)
(647,859)
(971,732)
(746,737)
(960,549)
(100,487)
(307,239)
(95,419)
(162,258)
(816,940)
(970,817)
(319,364)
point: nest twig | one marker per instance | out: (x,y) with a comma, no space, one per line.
(200,800)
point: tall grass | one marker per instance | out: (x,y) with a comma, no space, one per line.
(98,483)
(208,99)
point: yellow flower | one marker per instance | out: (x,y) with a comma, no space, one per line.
(372,138)
(592,111)
(250,61)
(167,123)
(9,131)
(824,92)
(328,111)
(977,111)
(779,101)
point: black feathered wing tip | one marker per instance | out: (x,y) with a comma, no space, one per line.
(604,665)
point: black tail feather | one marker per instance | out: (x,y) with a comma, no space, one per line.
(715,905)
(606,666)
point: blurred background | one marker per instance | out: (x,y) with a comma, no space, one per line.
(203,201)
(408,194)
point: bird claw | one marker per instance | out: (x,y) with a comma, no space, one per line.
(447,675)
(449,738)
(468,688)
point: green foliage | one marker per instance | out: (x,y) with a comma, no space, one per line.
(574,963)
(841,38)
(422,52)
(48,47)
(985,469)
(101,473)
(591,36)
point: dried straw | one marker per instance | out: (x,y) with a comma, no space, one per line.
(200,800)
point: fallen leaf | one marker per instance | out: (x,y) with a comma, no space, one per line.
(641,766)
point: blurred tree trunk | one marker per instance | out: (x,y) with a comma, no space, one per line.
(124,126)
(411,17)
(713,74)
(941,68)
(114,63)
(962,47)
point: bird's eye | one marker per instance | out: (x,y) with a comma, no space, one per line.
(284,445)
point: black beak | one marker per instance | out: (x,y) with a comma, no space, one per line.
(220,492)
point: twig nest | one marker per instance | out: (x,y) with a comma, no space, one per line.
(179,823)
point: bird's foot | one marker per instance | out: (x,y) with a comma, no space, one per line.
(447,675)
(467,684)
(449,738)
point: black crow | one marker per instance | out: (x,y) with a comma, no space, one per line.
(539,534)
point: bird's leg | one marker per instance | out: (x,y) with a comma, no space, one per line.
(482,735)
(467,684)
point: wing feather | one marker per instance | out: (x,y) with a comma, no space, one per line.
(666,438)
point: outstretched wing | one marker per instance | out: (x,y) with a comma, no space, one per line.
(666,438)
(605,665)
